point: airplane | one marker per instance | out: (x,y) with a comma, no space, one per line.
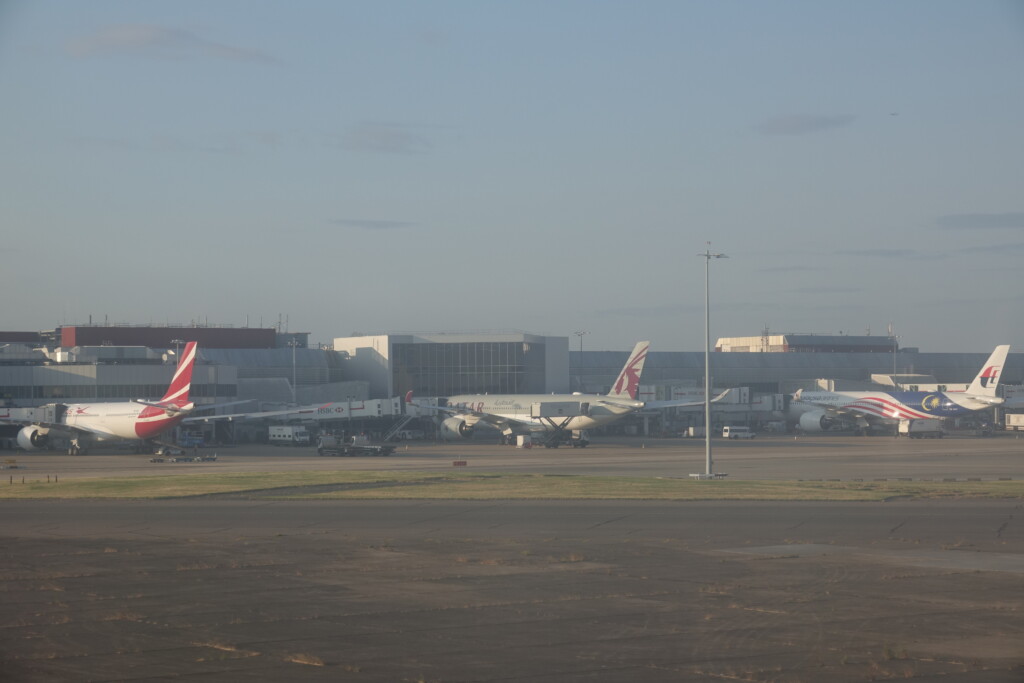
(557,418)
(868,409)
(85,423)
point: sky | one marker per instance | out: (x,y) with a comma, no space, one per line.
(554,167)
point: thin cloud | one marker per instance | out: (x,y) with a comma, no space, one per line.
(1008,249)
(790,269)
(883,253)
(384,138)
(369,224)
(803,124)
(947,302)
(150,40)
(238,143)
(826,290)
(981,221)
(675,310)
(668,310)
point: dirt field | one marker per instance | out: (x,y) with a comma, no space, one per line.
(223,590)
(248,588)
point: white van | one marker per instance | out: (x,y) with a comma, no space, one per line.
(289,435)
(737,432)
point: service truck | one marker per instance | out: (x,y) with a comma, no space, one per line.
(921,429)
(1015,422)
(737,432)
(289,435)
(328,444)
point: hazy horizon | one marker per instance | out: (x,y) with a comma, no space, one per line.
(544,167)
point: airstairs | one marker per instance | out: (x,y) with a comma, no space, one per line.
(397,427)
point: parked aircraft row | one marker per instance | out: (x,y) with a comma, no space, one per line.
(554,419)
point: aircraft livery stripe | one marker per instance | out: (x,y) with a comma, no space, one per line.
(887,408)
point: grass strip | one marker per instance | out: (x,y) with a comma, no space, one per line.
(356,485)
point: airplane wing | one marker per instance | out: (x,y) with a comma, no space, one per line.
(28,416)
(57,426)
(502,423)
(251,416)
(497,421)
(683,404)
(213,406)
(852,416)
(169,408)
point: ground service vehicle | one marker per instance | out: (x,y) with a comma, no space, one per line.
(737,432)
(1015,421)
(921,429)
(328,444)
(289,435)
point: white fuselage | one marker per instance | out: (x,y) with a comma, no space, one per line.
(119,420)
(895,405)
(521,408)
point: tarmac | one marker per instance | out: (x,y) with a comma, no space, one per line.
(226,588)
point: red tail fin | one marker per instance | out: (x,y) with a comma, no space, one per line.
(177,393)
(628,383)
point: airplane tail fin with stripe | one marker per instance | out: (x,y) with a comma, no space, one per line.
(177,392)
(986,383)
(627,385)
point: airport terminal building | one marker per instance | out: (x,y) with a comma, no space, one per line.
(451,364)
(273,369)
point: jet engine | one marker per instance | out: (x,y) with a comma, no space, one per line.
(456,428)
(33,438)
(816,421)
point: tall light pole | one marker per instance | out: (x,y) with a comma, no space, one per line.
(176,343)
(708,255)
(293,343)
(580,335)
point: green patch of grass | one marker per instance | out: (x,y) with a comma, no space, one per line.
(184,485)
(542,487)
(357,485)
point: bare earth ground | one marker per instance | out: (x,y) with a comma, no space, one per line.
(224,589)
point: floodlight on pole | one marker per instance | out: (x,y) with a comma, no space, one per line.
(708,255)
